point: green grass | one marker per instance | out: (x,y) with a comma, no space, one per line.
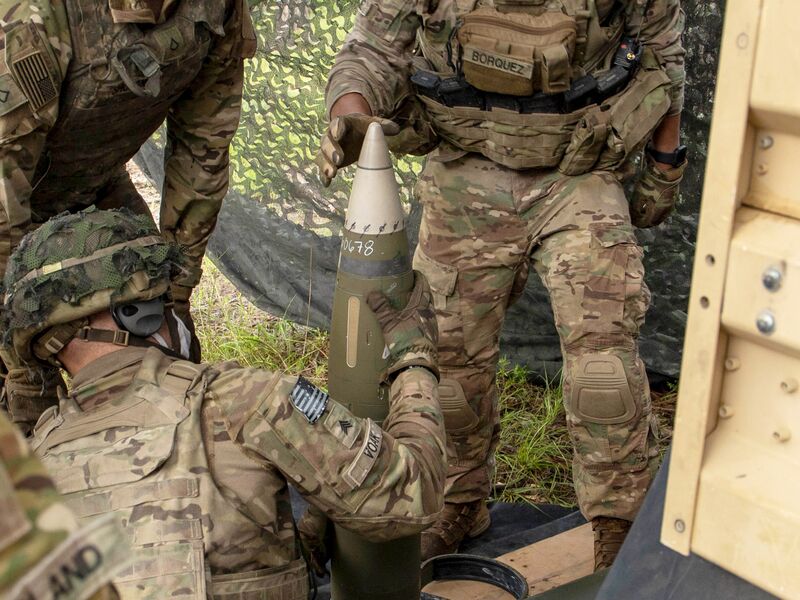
(533,455)
(533,459)
(230,327)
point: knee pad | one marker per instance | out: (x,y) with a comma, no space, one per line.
(600,390)
(458,414)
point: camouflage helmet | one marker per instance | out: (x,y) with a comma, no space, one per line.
(76,265)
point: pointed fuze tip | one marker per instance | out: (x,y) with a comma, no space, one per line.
(374,151)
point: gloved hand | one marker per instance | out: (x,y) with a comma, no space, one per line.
(341,144)
(655,193)
(314,529)
(411,334)
(180,305)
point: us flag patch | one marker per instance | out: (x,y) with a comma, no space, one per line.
(309,399)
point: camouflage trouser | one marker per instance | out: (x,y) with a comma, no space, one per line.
(29,392)
(482,227)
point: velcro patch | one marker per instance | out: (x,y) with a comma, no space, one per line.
(358,470)
(343,425)
(88,559)
(32,65)
(10,95)
(309,399)
(499,62)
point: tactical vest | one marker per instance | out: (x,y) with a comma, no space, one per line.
(143,458)
(118,89)
(554,42)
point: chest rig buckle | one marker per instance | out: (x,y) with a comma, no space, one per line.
(135,64)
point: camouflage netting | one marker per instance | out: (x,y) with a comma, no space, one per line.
(36,293)
(277,238)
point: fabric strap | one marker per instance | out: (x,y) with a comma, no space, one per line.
(150,240)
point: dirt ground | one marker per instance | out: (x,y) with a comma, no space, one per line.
(146,189)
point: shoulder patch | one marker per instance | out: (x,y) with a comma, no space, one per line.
(309,399)
(358,470)
(32,65)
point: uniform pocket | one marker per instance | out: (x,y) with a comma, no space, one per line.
(441,277)
(587,142)
(442,280)
(606,290)
(110,457)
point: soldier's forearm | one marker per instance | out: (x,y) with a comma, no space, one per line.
(350,104)
(667,137)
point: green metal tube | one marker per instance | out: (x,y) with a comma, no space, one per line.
(374,256)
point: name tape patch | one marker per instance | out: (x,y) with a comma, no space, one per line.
(358,470)
(309,399)
(499,62)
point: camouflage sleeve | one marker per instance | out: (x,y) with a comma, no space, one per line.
(200,127)
(375,60)
(35,35)
(41,543)
(660,24)
(381,483)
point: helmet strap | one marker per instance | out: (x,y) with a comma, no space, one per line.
(50,343)
(120,337)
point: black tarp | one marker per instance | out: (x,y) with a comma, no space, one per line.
(277,237)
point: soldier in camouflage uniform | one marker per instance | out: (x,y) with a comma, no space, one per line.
(83,84)
(44,553)
(530,111)
(196,459)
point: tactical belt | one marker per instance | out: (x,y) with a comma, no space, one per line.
(585,91)
(468,567)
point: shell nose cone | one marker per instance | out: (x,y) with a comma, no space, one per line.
(374,151)
(374,206)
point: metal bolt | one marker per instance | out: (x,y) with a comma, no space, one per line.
(732,363)
(743,40)
(725,411)
(766,322)
(680,526)
(766,142)
(789,386)
(772,279)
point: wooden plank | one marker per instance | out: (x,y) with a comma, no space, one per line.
(546,564)
(727,181)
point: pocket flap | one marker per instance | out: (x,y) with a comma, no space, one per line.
(111,457)
(441,278)
(608,235)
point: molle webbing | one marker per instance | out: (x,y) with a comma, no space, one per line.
(542,140)
(97,503)
(289,583)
